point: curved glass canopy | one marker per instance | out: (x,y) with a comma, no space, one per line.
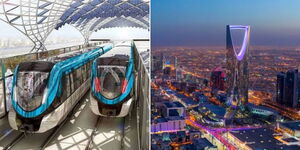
(37,18)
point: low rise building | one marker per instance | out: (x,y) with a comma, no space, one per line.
(258,138)
(292,128)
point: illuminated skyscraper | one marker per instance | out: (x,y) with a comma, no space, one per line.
(280,90)
(166,66)
(156,64)
(291,88)
(179,73)
(237,66)
(217,79)
(287,89)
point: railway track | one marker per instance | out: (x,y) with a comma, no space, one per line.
(90,142)
(106,126)
(48,139)
(122,133)
(14,141)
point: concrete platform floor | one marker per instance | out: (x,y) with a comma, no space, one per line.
(75,134)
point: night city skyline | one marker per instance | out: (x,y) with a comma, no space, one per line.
(216,87)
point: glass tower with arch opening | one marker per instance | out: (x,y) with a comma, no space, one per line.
(237,59)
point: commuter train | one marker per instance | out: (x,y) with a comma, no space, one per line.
(112,82)
(44,92)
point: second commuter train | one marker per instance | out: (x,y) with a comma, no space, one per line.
(113,82)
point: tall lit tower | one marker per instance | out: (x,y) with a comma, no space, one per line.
(217,79)
(179,73)
(237,65)
(175,62)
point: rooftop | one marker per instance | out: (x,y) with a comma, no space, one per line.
(173,104)
(261,138)
(295,125)
(189,101)
(261,107)
(202,142)
(162,119)
(220,111)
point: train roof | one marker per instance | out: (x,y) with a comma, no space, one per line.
(33,66)
(120,49)
(45,65)
(64,56)
(71,54)
(117,60)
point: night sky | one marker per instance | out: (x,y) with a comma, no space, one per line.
(203,22)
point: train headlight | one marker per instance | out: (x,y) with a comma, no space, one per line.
(97,84)
(124,85)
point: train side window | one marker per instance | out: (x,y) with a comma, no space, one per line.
(88,69)
(69,91)
(84,72)
(77,78)
(80,77)
(75,81)
(72,82)
(66,91)
(80,70)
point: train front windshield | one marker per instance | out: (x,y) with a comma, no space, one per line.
(110,80)
(31,83)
